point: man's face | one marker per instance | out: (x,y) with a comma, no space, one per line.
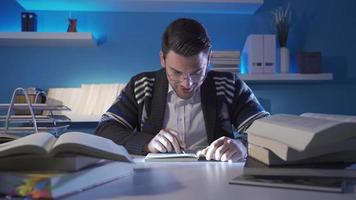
(185,74)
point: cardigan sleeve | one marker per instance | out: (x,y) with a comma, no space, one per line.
(120,121)
(245,107)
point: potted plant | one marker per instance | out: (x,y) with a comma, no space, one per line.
(282,20)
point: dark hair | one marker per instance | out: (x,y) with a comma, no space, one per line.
(186,37)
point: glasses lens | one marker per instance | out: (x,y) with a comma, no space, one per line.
(196,78)
(179,77)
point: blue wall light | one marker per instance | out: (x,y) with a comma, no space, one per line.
(62,5)
(243,63)
(247,7)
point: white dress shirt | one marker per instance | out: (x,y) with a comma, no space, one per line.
(186,117)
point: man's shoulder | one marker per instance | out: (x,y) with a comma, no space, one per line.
(146,76)
(217,76)
(227,75)
(226,79)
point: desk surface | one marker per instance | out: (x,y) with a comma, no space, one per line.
(195,180)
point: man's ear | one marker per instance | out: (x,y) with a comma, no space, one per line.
(209,56)
(161,57)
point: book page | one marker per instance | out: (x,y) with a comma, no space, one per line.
(340,118)
(280,149)
(176,157)
(88,144)
(289,154)
(292,130)
(37,143)
(302,123)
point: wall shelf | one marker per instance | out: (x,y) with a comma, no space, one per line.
(190,6)
(289,77)
(47,39)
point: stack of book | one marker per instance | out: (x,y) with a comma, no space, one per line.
(306,147)
(226,61)
(309,138)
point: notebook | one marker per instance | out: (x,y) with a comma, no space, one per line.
(171,157)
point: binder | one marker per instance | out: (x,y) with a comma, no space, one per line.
(32,22)
(269,54)
(28,22)
(259,54)
(24,20)
(253,52)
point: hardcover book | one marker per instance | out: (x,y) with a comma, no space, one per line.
(341,170)
(315,184)
(54,185)
(311,137)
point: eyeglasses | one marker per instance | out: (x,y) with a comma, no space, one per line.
(179,77)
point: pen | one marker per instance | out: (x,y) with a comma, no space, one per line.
(182,149)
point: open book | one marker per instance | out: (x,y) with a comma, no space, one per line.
(311,135)
(68,144)
(171,157)
(7,137)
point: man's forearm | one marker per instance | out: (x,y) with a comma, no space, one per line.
(134,142)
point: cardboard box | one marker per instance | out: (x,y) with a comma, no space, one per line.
(309,62)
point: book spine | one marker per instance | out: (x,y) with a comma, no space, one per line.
(33,188)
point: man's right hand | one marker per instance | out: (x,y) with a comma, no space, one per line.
(167,140)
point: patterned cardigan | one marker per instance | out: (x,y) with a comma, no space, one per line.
(136,116)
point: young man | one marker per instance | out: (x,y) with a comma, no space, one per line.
(183,105)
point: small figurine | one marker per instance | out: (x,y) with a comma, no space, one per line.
(72,27)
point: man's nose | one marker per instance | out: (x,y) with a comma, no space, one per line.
(187,81)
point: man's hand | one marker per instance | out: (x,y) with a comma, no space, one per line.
(167,140)
(225,149)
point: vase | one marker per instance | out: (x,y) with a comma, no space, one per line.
(285,60)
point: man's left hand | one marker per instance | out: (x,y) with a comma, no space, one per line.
(225,149)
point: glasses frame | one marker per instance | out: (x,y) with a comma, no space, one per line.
(198,78)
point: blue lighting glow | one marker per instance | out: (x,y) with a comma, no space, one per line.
(62,5)
(10,27)
(244,64)
(51,22)
(293,67)
(141,6)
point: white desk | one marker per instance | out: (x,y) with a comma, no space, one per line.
(195,180)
